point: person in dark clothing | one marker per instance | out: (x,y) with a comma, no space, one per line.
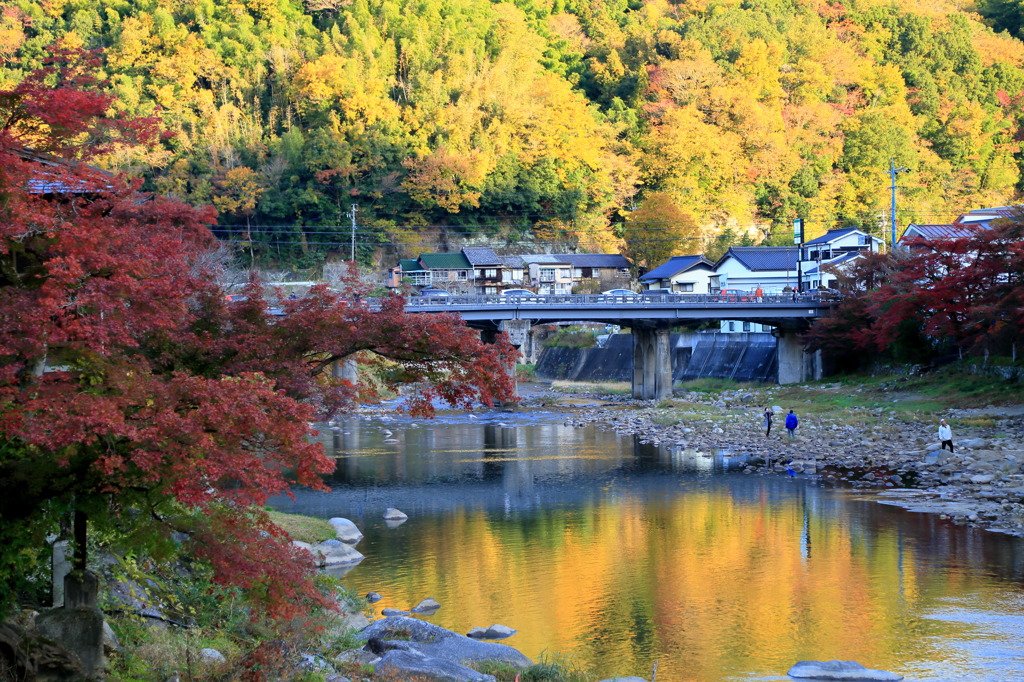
(767,423)
(791,423)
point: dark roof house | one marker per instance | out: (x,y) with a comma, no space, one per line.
(757,258)
(596,260)
(675,265)
(479,256)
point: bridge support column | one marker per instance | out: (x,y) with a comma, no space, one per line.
(346,369)
(795,366)
(652,364)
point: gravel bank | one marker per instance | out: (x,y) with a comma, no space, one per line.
(981,484)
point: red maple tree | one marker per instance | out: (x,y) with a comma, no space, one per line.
(938,296)
(132,394)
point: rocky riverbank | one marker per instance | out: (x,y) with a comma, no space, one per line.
(866,444)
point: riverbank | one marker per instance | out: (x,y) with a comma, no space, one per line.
(877,433)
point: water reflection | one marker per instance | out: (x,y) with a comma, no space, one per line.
(624,554)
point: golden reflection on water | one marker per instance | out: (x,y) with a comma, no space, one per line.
(651,559)
(708,584)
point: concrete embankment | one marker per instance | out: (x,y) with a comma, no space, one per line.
(740,357)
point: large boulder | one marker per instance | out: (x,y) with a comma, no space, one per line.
(346,531)
(412,664)
(434,641)
(336,553)
(840,670)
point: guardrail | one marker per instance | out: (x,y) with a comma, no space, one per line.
(641,299)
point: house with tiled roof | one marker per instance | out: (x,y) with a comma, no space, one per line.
(772,268)
(966,225)
(820,257)
(513,272)
(486,276)
(605,270)
(681,274)
(549,273)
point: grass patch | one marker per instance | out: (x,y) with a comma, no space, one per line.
(570,339)
(526,372)
(715,385)
(549,669)
(304,528)
(600,388)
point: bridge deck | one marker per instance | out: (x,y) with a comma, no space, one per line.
(657,310)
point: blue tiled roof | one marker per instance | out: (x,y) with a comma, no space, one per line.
(850,255)
(596,260)
(756,258)
(480,255)
(674,266)
(830,236)
(545,259)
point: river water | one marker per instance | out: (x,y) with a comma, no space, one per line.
(620,555)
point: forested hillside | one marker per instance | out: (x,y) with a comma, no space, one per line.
(553,120)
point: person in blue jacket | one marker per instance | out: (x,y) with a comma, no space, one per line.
(791,423)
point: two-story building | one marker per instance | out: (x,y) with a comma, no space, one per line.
(823,256)
(548,273)
(681,275)
(770,268)
(607,270)
(487,266)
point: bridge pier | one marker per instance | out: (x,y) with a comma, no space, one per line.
(518,333)
(795,366)
(652,363)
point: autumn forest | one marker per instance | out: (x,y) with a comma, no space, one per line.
(552,123)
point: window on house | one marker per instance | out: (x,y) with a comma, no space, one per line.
(491,273)
(547,274)
(463,275)
(732,326)
(490,290)
(577,273)
(685,287)
(746,326)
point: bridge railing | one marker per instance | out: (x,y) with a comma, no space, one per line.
(640,299)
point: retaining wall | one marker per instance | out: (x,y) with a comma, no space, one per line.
(742,357)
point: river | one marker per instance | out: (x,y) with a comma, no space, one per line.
(621,555)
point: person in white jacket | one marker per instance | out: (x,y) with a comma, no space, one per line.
(945,435)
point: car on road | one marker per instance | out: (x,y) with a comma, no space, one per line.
(734,295)
(518,292)
(435,293)
(618,292)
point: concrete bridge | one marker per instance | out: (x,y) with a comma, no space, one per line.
(650,317)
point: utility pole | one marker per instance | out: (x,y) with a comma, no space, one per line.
(798,239)
(893,170)
(352,253)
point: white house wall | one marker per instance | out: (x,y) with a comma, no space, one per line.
(739,277)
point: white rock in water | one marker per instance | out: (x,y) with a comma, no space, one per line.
(336,553)
(840,670)
(393,514)
(499,632)
(346,531)
(428,605)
